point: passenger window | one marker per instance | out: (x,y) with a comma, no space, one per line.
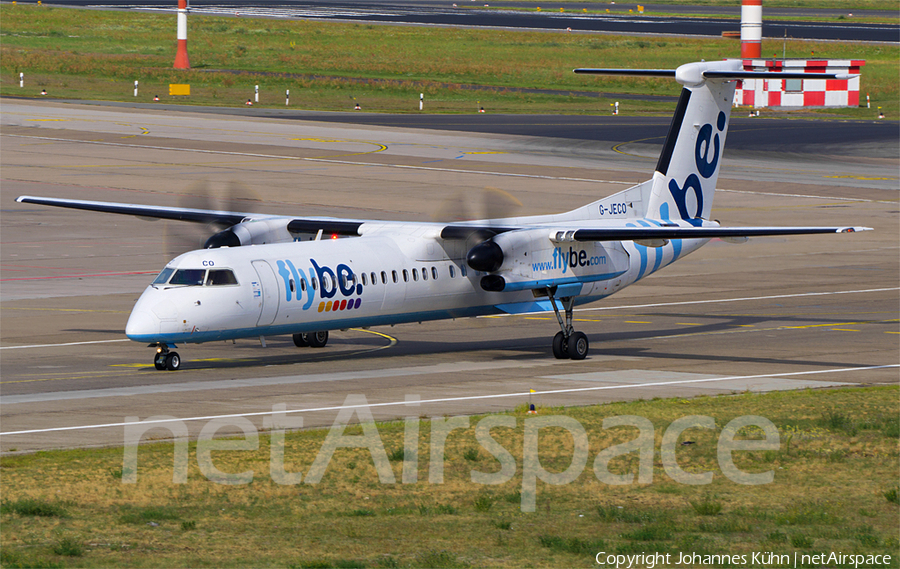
(326,282)
(434,273)
(405,276)
(394,274)
(292,285)
(217,277)
(163,276)
(452,272)
(302,284)
(383,278)
(415,274)
(365,283)
(374,278)
(424,273)
(315,284)
(188,277)
(462,270)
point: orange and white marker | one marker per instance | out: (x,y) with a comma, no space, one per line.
(181,57)
(751,29)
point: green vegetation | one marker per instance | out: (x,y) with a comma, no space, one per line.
(350,519)
(90,54)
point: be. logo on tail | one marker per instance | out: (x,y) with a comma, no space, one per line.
(706,143)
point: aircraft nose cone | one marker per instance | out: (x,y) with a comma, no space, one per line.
(142,326)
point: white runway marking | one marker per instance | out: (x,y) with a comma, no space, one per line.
(772,297)
(66,344)
(453,399)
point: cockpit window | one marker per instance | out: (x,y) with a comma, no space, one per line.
(221,277)
(190,277)
(163,276)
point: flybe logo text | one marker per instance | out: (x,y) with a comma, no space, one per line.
(322,281)
(569,259)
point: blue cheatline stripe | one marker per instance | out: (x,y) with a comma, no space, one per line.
(544,283)
(301,327)
(297,328)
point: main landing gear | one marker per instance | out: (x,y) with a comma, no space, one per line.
(165,359)
(312,339)
(567,344)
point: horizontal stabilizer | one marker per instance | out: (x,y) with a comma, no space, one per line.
(696,73)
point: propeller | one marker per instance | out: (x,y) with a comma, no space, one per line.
(181,237)
(483,254)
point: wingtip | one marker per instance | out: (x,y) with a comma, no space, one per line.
(854,229)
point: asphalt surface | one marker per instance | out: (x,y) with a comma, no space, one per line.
(779,313)
(466,14)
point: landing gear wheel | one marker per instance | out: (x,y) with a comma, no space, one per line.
(159,362)
(577,345)
(560,346)
(300,340)
(173,361)
(317,339)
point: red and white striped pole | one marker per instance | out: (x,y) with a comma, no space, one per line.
(751,29)
(181,57)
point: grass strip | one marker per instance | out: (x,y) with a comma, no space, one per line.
(834,489)
(97,54)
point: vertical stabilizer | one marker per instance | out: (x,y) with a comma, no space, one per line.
(685,178)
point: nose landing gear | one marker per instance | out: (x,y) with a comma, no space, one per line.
(164,359)
(567,344)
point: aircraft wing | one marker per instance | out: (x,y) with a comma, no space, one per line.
(207,216)
(618,233)
(674,232)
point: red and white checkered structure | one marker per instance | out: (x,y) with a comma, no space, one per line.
(760,93)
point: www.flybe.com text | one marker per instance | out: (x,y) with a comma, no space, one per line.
(569,259)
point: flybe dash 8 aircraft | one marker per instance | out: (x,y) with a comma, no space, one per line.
(267,275)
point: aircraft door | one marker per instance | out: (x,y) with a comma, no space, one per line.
(267,293)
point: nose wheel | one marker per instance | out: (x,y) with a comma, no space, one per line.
(166,360)
(568,343)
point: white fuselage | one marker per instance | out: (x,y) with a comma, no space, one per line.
(389,276)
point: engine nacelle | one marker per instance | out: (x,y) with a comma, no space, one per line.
(486,257)
(529,260)
(252,232)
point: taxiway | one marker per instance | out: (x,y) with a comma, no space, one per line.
(774,313)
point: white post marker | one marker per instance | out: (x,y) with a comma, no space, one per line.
(256,95)
(135,87)
(421,101)
(21,80)
(617,108)
(287,97)
(868,102)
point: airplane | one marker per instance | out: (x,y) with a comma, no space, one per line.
(268,275)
